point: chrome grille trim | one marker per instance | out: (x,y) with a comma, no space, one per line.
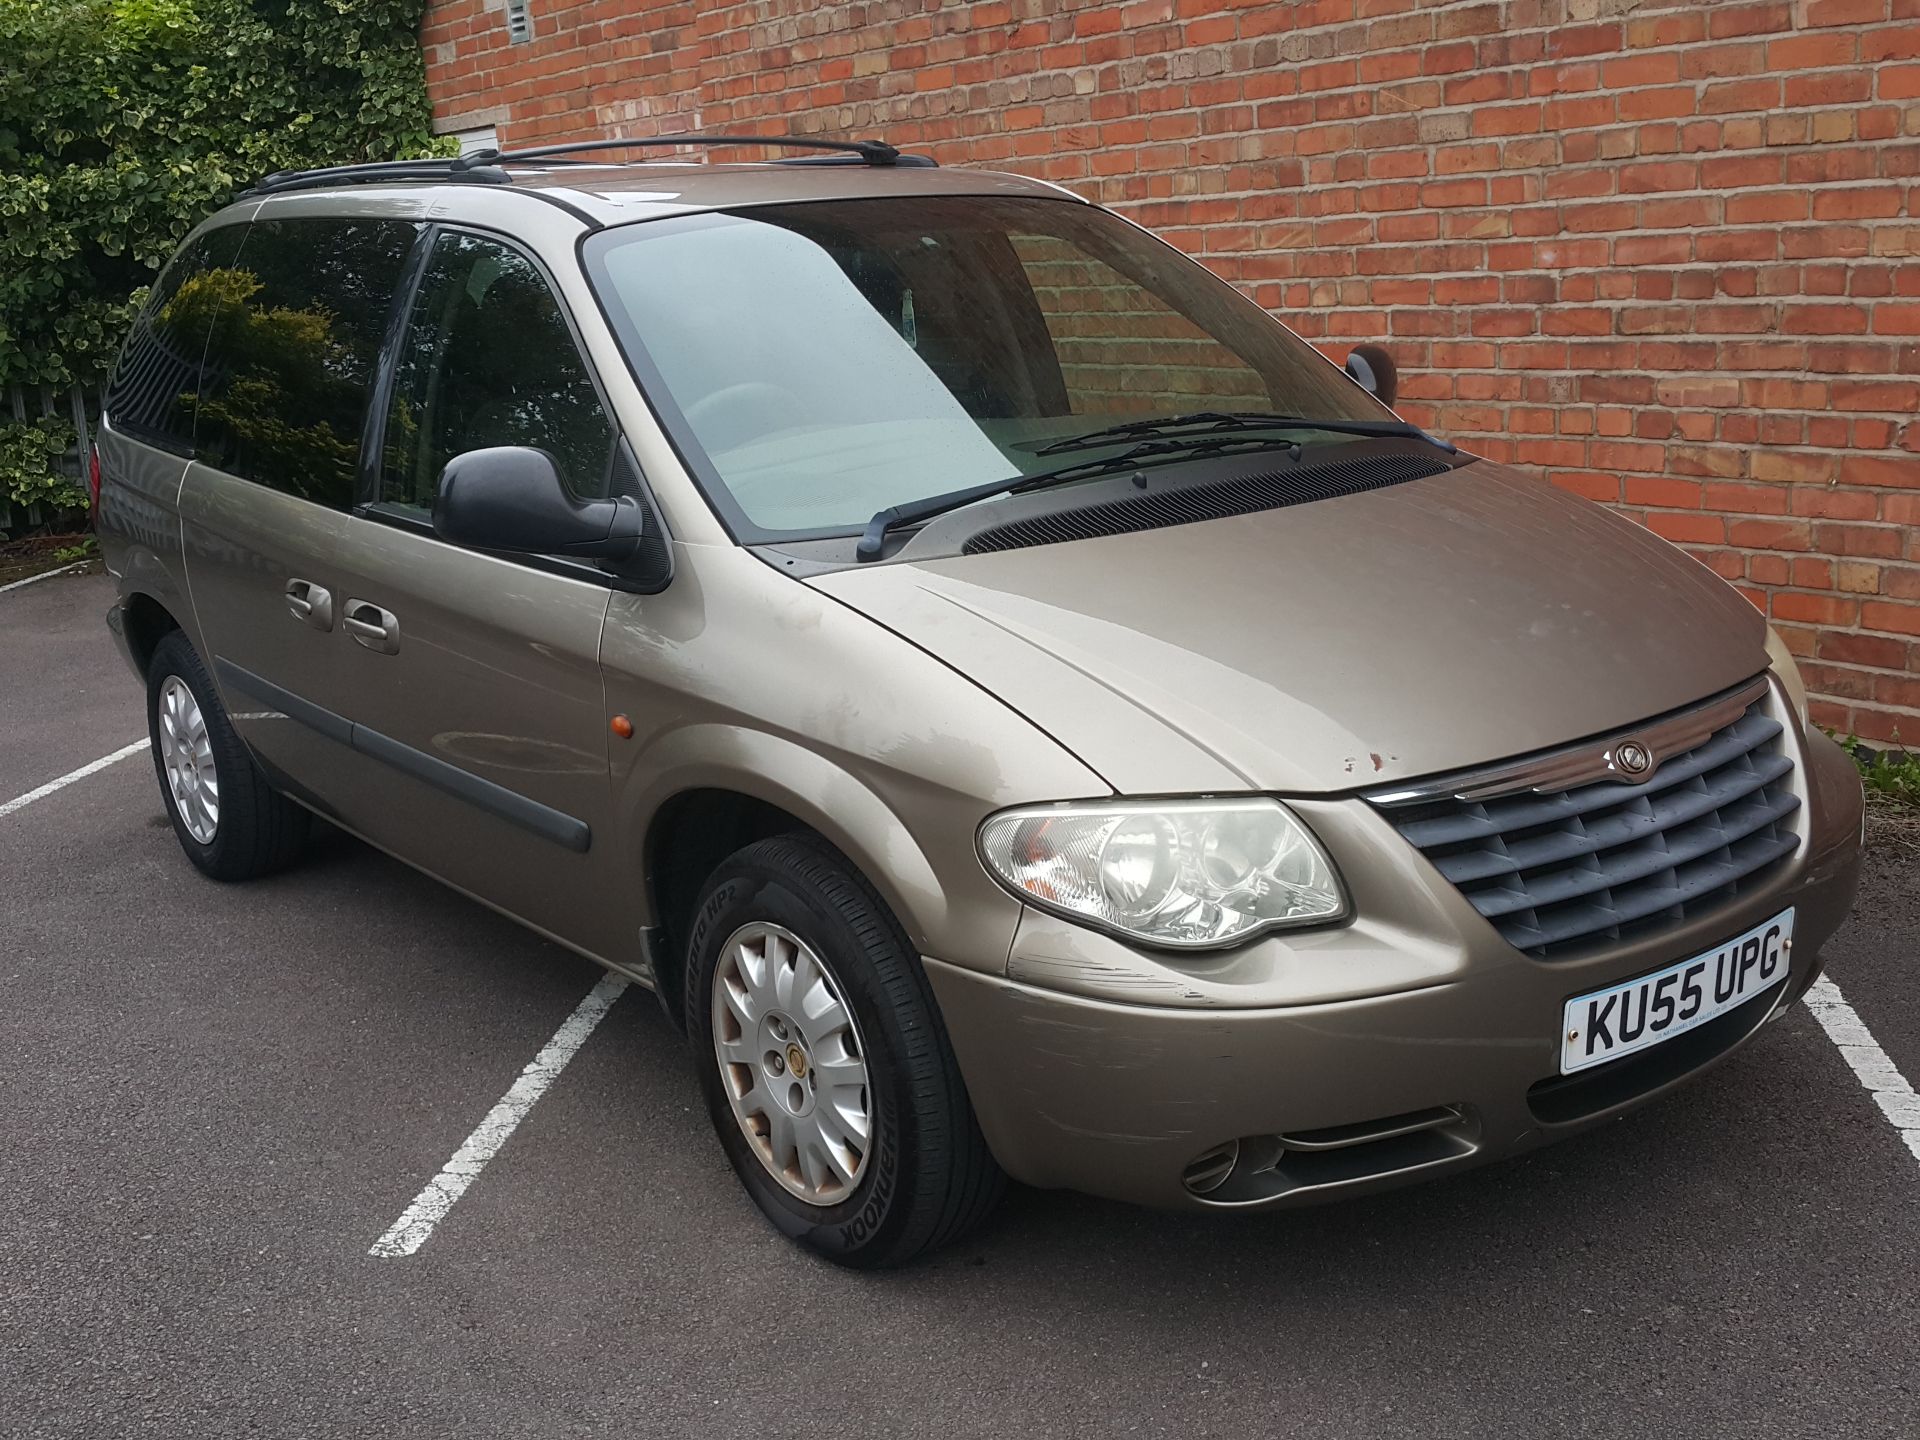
(1560,868)
(1570,765)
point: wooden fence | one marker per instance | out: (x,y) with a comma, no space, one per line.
(81,410)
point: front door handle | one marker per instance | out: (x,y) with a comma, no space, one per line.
(377,629)
(311,603)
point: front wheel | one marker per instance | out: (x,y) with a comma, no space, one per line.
(826,1069)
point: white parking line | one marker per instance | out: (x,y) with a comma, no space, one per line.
(430,1206)
(20,802)
(1873,1066)
(43,575)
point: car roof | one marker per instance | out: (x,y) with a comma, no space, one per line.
(615,193)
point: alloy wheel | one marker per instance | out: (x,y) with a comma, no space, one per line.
(793,1065)
(186,753)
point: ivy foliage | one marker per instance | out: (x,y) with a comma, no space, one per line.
(30,454)
(124,122)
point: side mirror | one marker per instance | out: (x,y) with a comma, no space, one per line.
(511,497)
(1373,368)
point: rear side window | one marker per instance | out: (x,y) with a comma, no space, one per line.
(296,334)
(155,387)
(489,359)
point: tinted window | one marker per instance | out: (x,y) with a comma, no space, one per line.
(489,360)
(297,323)
(155,387)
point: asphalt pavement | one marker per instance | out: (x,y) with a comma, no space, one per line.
(217,1097)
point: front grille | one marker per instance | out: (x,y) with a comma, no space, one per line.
(1559,871)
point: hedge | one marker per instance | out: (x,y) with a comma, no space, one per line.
(124,122)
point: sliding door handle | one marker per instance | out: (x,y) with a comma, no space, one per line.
(377,629)
(310,604)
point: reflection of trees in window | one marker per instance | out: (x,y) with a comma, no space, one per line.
(293,333)
(489,360)
(278,364)
(399,446)
(157,380)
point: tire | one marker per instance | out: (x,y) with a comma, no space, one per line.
(925,1177)
(254,829)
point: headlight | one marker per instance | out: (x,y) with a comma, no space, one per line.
(1781,661)
(1182,873)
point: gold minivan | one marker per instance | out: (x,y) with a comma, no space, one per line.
(1023,710)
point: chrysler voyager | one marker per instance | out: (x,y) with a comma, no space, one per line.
(1024,711)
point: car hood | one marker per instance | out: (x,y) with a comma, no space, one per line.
(1375,637)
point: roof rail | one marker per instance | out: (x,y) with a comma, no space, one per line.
(379,170)
(482,167)
(870,152)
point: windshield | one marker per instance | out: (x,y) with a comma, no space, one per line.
(817,363)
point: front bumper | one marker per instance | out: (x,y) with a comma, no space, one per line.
(1295,1103)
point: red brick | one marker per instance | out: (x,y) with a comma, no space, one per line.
(1878,541)
(1770,534)
(1900,690)
(1845,12)
(1901,471)
(1888,616)
(1826,502)
(1686,529)
(1658,490)
(1851,649)
(1815,609)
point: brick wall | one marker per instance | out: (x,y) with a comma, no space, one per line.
(1666,253)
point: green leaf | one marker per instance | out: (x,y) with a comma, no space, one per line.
(123,123)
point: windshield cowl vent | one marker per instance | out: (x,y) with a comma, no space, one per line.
(1244,495)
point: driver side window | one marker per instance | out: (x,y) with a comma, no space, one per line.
(488,359)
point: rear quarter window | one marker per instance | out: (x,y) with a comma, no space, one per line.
(155,389)
(296,327)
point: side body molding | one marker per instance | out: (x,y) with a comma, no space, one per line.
(516,809)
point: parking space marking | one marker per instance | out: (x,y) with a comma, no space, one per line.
(1874,1067)
(20,802)
(43,575)
(430,1206)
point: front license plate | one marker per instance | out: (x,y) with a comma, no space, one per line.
(1623,1018)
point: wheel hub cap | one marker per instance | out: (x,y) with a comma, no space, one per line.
(791,1060)
(186,754)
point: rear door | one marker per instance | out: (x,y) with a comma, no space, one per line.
(475,677)
(295,328)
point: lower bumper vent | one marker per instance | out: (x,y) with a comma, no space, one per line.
(1262,1167)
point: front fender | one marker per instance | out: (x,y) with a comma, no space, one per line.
(740,678)
(944,900)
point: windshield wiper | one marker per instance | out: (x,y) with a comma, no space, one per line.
(873,542)
(1201,423)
